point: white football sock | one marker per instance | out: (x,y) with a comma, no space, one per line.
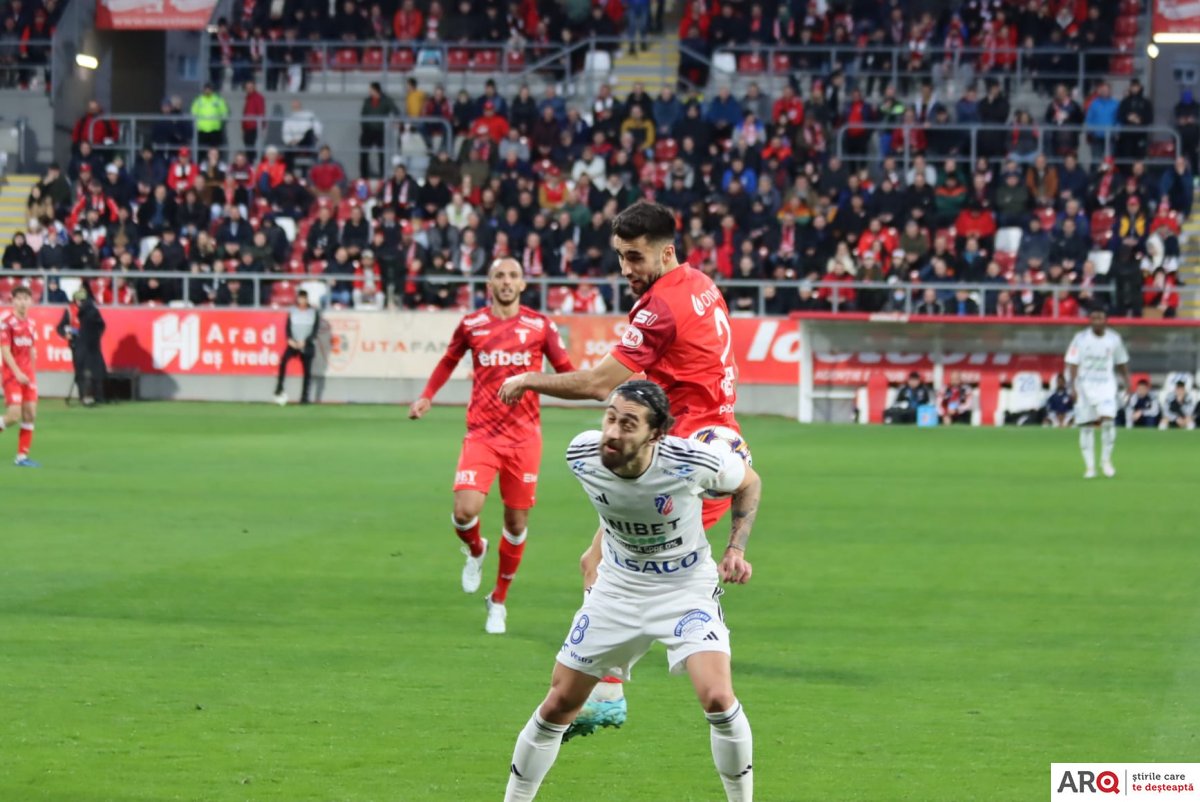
(1087,446)
(537,747)
(732,751)
(1108,438)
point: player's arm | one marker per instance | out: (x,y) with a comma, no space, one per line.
(734,567)
(1122,363)
(1071,368)
(578,385)
(556,351)
(589,562)
(441,374)
(6,354)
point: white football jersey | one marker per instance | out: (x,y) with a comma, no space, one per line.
(1096,358)
(652,524)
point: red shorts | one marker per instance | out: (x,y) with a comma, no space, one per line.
(517,465)
(16,393)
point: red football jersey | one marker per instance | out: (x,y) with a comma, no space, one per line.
(679,335)
(21,338)
(500,349)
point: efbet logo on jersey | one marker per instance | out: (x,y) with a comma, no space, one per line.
(500,359)
(664,504)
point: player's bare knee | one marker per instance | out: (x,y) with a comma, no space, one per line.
(516,521)
(466,510)
(716,699)
(559,708)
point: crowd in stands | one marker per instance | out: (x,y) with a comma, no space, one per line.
(1173,406)
(25,30)
(759,189)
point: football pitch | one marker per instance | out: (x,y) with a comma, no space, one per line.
(233,602)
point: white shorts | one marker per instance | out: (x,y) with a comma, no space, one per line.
(1092,405)
(614,628)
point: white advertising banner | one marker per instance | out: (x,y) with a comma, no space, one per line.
(398,345)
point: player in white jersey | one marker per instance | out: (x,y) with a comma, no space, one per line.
(1095,357)
(658,581)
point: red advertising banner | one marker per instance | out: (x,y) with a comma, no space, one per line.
(1175,17)
(200,342)
(185,341)
(768,352)
(154,15)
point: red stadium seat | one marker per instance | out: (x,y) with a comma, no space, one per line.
(345,59)
(458,60)
(6,287)
(1124,43)
(1006,260)
(666,150)
(296,265)
(486,61)
(283,293)
(1127,26)
(1102,223)
(556,299)
(316,58)
(751,64)
(100,287)
(514,61)
(1131,8)
(463,299)
(316,266)
(38,288)
(108,263)
(1164,149)
(1047,216)
(372,58)
(781,63)
(1122,65)
(402,60)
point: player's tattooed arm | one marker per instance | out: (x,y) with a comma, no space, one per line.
(734,567)
(745,510)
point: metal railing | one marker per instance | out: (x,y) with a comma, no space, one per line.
(1043,135)
(27,65)
(835,296)
(332,64)
(874,66)
(138,131)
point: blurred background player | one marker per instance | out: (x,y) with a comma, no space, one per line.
(303,326)
(666,592)
(679,335)
(18,339)
(504,339)
(1060,406)
(1181,408)
(1093,360)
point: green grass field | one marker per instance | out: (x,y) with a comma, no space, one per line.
(219,602)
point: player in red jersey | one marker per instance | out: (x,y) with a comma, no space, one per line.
(679,335)
(18,342)
(504,340)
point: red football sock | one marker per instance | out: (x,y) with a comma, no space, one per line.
(613,680)
(25,439)
(469,533)
(512,547)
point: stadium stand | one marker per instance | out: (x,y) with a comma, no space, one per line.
(812,165)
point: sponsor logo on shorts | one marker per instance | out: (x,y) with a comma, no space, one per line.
(692,621)
(655,566)
(632,338)
(664,504)
(530,478)
(464,478)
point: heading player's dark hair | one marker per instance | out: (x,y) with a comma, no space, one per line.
(653,221)
(649,395)
(22,290)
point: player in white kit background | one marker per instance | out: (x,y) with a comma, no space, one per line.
(1093,360)
(658,581)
